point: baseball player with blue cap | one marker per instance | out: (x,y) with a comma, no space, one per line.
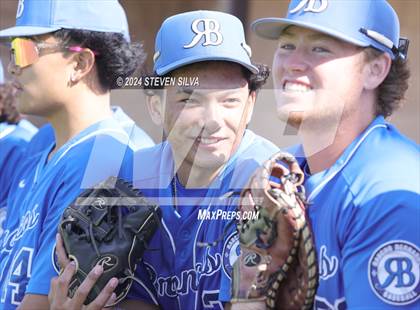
(339,70)
(66,57)
(197,172)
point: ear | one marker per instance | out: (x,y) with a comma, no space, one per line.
(155,107)
(250,106)
(82,64)
(377,70)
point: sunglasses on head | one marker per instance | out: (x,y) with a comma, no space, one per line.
(25,52)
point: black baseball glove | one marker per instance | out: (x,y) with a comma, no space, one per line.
(111,225)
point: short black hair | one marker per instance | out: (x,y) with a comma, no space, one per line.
(116,57)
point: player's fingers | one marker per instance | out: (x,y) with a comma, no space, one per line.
(61,285)
(106,296)
(83,291)
(51,293)
(63,260)
(111,301)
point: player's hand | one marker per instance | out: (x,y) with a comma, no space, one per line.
(57,296)
(62,257)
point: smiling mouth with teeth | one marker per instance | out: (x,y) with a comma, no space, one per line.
(202,140)
(296,87)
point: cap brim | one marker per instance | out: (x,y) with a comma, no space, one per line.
(191,60)
(271,28)
(26,31)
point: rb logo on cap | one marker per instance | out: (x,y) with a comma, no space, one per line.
(310,6)
(210,26)
(21,6)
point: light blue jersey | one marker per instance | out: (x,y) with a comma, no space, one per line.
(365,214)
(13,142)
(178,272)
(43,188)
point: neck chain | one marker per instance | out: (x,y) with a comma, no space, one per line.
(306,169)
(174,194)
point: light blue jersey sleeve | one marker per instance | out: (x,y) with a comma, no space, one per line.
(381,258)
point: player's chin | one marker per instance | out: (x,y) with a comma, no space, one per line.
(210,160)
(291,115)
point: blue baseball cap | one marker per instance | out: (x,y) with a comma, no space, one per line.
(35,17)
(360,22)
(197,36)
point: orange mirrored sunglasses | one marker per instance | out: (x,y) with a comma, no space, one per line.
(25,52)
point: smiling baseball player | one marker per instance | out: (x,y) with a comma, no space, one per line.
(196,173)
(339,70)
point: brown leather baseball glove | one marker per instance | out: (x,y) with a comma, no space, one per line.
(278,260)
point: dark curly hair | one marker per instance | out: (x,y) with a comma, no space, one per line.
(255,80)
(8,112)
(115,56)
(392,90)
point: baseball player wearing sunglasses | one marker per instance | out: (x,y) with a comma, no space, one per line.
(65,58)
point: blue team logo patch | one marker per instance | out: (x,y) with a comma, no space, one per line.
(394,273)
(231,252)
